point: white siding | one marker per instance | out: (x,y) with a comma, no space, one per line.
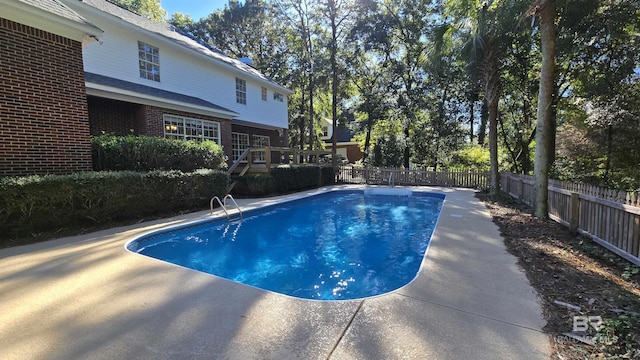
(181,71)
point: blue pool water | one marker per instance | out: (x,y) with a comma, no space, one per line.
(334,246)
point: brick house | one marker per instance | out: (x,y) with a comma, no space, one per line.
(140,77)
(44,125)
(145,77)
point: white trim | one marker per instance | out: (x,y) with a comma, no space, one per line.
(138,98)
(38,18)
(240,122)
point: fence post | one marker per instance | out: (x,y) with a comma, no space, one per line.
(521,188)
(507,184)
(574,213)
(267,158)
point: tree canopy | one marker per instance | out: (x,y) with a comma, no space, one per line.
(442,83)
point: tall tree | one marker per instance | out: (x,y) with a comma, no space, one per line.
(148,8)
(545,10)
(372,101)
(338,15)
(597,60)
(406,49)
(520,86)
(302,20)
(244,30)
(483,24)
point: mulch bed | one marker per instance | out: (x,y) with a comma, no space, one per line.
(570,271)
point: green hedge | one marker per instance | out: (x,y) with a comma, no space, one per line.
(146,153)
(46,203)
(254,185)
(285,179)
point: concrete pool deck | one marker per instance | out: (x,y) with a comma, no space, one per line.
(86,297)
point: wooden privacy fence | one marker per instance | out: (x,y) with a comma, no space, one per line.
(412,177)
(608,219)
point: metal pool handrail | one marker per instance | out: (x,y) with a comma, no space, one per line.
(228,196)
(223,204)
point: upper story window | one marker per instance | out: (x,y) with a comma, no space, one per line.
(149,60)
(278,97)
(264,93)
(183,128)
(241,91)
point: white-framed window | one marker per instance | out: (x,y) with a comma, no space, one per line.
(184,128)
(278,97)
(264,93)
(260,141)
(241,91)
(325,131)
(239,143)
(149,61)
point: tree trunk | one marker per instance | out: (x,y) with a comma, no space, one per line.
(607,164)
(311,127)
(492,96)
(367,142)
(494,176)
(472,103)
(544,123)
(334,83)
(482,131)
(301,120)
(407,154)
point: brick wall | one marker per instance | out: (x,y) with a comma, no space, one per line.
(151,122)
(120,118)
(108,116)
(44,125)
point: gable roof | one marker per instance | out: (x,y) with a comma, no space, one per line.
(115,88)
(50,15)
(169,32)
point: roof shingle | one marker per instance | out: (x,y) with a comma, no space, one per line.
(151,91)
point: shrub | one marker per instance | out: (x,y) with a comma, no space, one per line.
(146,153)
(327,175)
(289,178)
(254,185)
(45,203)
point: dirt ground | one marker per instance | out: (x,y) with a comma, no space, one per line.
(579,284)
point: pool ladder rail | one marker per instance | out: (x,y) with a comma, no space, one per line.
(223,204)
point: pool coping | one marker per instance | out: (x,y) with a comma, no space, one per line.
(86,297)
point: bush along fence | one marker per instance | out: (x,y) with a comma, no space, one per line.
(284,179)
(603,215)
(412,177)
(37,204)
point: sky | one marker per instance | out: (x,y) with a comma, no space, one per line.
(196,8)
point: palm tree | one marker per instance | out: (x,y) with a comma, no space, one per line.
(478,22)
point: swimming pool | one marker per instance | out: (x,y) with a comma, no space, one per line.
(339,245)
